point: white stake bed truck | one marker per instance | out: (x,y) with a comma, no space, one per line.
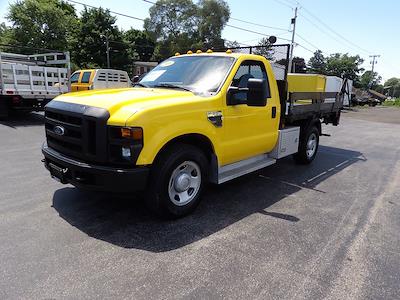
(29,82)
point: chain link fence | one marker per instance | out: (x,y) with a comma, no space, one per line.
(278,55)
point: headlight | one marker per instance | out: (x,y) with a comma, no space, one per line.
(125,144)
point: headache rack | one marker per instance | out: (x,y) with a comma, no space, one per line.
(291,110)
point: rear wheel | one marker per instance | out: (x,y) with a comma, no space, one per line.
(4,109)
(308,147)
(177,180)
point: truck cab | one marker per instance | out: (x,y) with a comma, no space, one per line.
(83,80)
(194,119)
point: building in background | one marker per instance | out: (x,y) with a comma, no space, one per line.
(142,67)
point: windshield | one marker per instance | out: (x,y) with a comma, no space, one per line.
(75,77)
(199,74)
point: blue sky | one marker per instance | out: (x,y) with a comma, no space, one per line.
(368,27)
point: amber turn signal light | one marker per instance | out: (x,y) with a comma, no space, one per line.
(132,133)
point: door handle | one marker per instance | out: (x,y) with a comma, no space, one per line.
(273,112)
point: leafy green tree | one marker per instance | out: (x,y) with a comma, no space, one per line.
(369,80)
(214,14)
(299,65)
(317,63)
(140,45)
(231,44)
(379,88)
(49,24)
(96,26)
(180,25)
(174,23)
(392,87)
(344,66)
(265,49)
(5,32)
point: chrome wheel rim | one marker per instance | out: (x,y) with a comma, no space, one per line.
(184,183)
(311,145)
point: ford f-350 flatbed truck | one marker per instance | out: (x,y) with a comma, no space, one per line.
(195,118)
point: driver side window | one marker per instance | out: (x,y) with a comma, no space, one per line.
(248,69)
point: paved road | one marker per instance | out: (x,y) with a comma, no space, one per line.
(329,230)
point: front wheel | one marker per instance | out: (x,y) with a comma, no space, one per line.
(308,146)
(177,180)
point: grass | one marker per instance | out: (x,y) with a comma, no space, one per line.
(396,102)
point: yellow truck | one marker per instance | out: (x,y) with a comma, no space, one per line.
(93,79)
(194,119)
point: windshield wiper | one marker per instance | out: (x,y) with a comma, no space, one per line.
(172,86)
(140,84)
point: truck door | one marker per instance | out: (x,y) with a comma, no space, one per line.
(249,131)
(85,82)
(74,81)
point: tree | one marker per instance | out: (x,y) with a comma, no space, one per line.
(95,28)
(317,63)
(231,44)
(140,45)
(380,89)
(392,86)
(180,25)
(214,14)
(48,24)
(299,65)
(265,49)
(369,80)
(344,66)
(4,36)
(174,24)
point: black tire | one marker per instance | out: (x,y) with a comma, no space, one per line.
(303,156)
(158,191)
(4,109)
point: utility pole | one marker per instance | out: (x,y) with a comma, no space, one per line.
(373,62)
(293,22)
(107,49)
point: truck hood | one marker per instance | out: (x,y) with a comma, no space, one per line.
(134,98)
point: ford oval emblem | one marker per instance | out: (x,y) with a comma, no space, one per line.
(59,130)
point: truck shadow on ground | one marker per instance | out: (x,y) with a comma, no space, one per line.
(20,119)
(127,223)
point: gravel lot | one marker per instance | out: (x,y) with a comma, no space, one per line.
(328,230)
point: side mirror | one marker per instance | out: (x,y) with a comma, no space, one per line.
(257,92)
(135,78)
(233,97)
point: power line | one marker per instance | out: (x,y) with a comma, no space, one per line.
(261,25)
(305,48)
(333,31)
(319,28)
(228,25)
(136,18)
(114,12)
(240,20)
(283,3)
(252,31)
(312,45)
(29,47)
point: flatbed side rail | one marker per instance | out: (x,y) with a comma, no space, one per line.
(314,105)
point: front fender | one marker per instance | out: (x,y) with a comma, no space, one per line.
(156,139)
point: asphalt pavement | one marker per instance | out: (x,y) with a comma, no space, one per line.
(330,230)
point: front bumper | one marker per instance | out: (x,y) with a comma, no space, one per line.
(94,177)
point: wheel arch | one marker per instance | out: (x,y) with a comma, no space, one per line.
(195,139)
(307,123)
